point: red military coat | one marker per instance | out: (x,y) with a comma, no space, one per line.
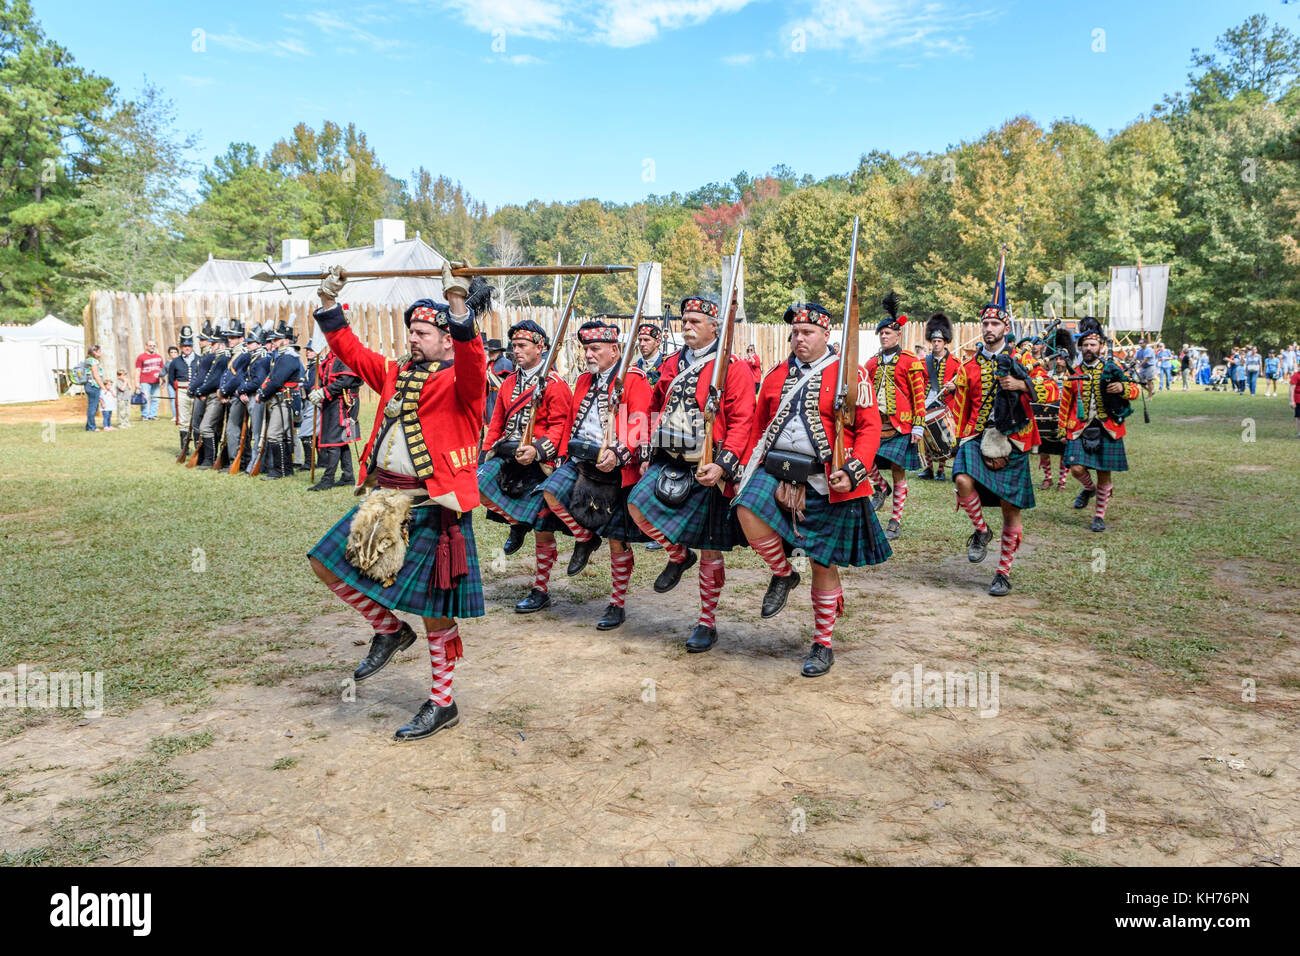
(550,435)
(1070,424)
(448,414)
(735,419)
(861,439)
(944,376)
(909,391)
(972,379)
(632,423)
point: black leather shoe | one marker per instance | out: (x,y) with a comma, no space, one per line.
(879,495)
(428,720)
(1097,525)
(927,475)
(701,639)
(940,476)
(382,647)
(612,618)
(518,534)
(536,600)
(778,590)
(1084,497)
(325,484)
(977,545)
(653,546)
(582,552)
(1001,585)
(820,659)
(672,573)
(892,529)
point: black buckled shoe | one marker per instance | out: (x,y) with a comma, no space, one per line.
(536,600)
(383,647)
(1001,585)
(612,618)
(820,659)
(518,535)
(879,495)
(927,475)
(1084,497)
(672,573)
(428,720)
(1097,525)
(582,552)
(325,484)
(778,591)
(892,529)
(702,639)
(977,545)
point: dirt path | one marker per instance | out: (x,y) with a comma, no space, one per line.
(578,746)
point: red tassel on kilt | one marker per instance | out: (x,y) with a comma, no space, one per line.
(442,563)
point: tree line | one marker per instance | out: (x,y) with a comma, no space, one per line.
(92,195)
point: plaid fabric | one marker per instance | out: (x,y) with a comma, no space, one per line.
(703,520)
(898,450)
(527,508)
(1110,457)
(1012,484)
(413,591)
(843,534)
(621,527)
(1051,447)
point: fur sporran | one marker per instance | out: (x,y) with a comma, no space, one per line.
(516,480)
(595,495)
(995,448)
(1091,439)
(379,535)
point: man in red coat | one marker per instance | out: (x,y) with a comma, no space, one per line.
(682,502)
(898,379)
(511,478)
(608,433)
(419,466)
(940,368)
(790,496)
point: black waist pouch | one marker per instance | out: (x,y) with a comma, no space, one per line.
(675,481)
(790,466)
(1091,439)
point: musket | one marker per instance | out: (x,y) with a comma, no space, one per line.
(463,271)
(243,434)
(723,359)
(846,395)
(539,390)
(624,363)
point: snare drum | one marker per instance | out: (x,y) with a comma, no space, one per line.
(940,437)
(1045,414)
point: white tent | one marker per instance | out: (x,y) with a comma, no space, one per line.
(23,375)
(62,345)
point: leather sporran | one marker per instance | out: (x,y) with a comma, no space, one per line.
(379,534)
(595,495)
(674,482)
(1091,439)
(792,498)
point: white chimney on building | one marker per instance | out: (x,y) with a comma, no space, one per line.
(387,232)
(291,249)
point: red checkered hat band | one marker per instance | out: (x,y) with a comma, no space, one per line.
(651,330)
(700,305)
(605,333)
(992,311)
(528,337)
(812,317)
(425,314)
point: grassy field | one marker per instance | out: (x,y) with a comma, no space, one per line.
(178,583)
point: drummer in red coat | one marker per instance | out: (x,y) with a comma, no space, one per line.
(940,368)
(588,493)
(511,478)
(419,467)
(788,495)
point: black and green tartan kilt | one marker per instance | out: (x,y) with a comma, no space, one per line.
(1110,457)
(1046,447)
(842,534)
(1011,484)
(526,508)
(899,451)
(703,520)
(413,590)
(620,527)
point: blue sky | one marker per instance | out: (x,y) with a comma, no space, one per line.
(562,100)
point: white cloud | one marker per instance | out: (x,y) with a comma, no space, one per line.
(543,19)
(864,27)
(333,25)
(242,44)
(622,23)
(738,59)
(616,23)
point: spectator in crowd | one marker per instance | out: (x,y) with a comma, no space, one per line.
(1290,362)
(1253,366)
(1146,361)
(107,403)
(1271,371)
(148,370)
(94,385)
(172,352)
(755,366)
(1185,364)
(499,366)
(1295,398)
(1166,365)
(122,399)
(1238,369)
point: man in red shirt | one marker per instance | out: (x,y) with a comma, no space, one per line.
(1295,399)
(755,367)
(148,373)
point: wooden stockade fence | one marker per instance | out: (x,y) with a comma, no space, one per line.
(123,322)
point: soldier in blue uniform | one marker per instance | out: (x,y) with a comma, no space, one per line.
(231,376)
(179,373)
(208,338)
(255,373)
(283,382)
(214,409)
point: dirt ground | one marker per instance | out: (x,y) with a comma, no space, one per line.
(585,747)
